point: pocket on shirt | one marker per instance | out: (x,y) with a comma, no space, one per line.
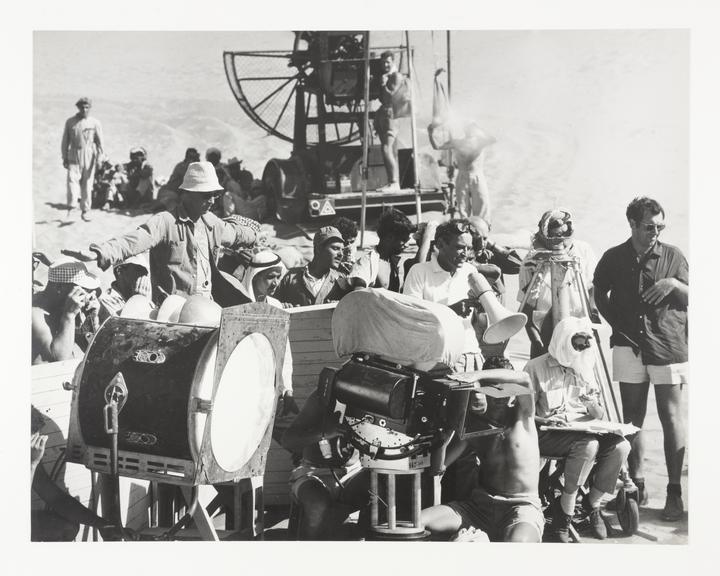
(175,254)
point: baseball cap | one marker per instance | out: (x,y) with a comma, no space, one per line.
(325,234)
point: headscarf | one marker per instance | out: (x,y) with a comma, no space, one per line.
(263,260)
(558,218)
(562,350)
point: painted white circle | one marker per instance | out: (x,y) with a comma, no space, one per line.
(244,402)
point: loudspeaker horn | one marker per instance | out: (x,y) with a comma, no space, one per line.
(502,324)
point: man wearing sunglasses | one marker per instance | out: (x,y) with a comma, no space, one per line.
(184,244)
(641,289)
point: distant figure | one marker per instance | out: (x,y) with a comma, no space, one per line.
(82,150)
(137,185)
(238,198)
(315,283)
(167,196)
(178,173)
(471,189)
(214,155)
(380,267)
(349,230)
(65,313)
(132,276)
(394,104)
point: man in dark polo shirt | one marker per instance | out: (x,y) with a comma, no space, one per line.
(641,289)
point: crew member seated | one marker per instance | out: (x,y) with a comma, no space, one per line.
(61,522)
(504,506)
(329,484)
(565,391)
(137,185)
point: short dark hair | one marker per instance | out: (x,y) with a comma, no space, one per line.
(387,54)
(639,205)
(392,222)
(497,362)
(348,228)
(452,228)
(192,153)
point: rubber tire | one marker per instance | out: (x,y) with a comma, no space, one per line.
(628,512)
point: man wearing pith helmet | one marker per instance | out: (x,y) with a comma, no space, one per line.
(184,243)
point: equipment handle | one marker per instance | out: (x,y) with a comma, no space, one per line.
(110,412)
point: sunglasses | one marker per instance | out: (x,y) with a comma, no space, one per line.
(581,341)
(461,228)
(651,227)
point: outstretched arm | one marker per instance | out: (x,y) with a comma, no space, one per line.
(64,504)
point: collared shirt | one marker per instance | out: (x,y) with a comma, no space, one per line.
(203,277)
(299,288)
(173,240)
(429,281)
(557,388)
(660,330)
(377,272)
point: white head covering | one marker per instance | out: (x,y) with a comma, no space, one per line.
(562,350)
(263,260)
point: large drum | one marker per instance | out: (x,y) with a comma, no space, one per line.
(200,401)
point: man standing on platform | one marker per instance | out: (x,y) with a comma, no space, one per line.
(641,289)
(82,150)
(394,104)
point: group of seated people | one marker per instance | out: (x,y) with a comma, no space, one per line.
(133,185)
(190,253)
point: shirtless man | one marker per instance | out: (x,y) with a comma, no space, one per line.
(473,198)
(393,105)
(505,504)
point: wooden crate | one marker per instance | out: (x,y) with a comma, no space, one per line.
(312,350)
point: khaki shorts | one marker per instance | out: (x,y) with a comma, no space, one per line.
(629,368)
(497,515)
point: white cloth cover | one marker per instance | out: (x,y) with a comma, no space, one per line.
(561,348)
(398,328)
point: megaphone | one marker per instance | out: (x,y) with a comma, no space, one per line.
(502,324)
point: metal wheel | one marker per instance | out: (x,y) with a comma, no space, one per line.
(628,512)
(267,83)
